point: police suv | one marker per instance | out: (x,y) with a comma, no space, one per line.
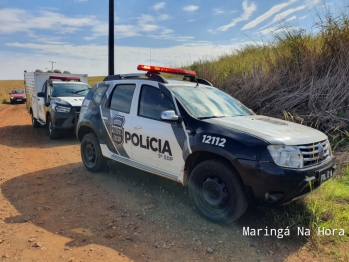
(188,131)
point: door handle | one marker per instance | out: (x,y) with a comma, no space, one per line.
(105,118)
(137,127)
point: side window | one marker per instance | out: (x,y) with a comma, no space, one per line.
(122,98)
(99,93)
(153,102)
(44,87)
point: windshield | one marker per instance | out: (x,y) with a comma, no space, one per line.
(17,91)
(69,89)
(207,102)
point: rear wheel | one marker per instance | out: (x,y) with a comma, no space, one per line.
(217,191)
(52,132)
(91,153)
(35,122)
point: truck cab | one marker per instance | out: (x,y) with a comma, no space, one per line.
(55,100)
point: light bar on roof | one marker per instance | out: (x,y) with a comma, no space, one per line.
(66,78)
(160,69)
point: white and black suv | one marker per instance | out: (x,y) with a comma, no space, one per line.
(190,132)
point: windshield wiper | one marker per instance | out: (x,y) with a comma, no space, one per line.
(208,117)
(75,93)
(79,91)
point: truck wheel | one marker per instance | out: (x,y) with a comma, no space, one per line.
(217,191)
(91,153)
(52,132)
(35,122)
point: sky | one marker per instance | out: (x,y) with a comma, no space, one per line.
(73,34)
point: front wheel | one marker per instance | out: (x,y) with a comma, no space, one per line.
(217,191)
(52,132)
(91,153)
(35,122)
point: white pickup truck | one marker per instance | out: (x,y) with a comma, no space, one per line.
(54,99)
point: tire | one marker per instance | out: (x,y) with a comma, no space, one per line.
(12,102)
(52,132)
(217,191)
(35,122)
(91,153)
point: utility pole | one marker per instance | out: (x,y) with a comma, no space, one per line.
(111,38)
(52,64)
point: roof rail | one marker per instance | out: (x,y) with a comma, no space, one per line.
(148,76)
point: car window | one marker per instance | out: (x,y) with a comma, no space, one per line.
(208,101)
(99,93)
(18,91)
(68,89)
(122,98)
(153,102)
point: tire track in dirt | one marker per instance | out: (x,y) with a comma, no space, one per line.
(52,209)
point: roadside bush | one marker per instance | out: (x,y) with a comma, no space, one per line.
(300,76)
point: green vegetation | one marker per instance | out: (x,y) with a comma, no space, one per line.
(302,78)
(303,74)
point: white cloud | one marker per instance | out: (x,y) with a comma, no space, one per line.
(282,15)
(217,11)
(93,59)
(163,17)
(276,30)
(248,11)
(145,19)
(18,20)
(190,8)
(159,6)
(292,18)
(275,9)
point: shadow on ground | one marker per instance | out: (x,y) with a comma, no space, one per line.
(25,136)
(148,217)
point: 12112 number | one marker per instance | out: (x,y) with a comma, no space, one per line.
(213,140)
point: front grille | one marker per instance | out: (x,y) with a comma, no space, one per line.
(315,153)
(77,109)
(77,114)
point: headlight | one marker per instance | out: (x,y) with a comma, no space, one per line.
(11,97)
(61,109)
(286,156)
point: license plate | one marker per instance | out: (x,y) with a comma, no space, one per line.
(325,175)
(19,99)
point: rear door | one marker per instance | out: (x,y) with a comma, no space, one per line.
(117,117)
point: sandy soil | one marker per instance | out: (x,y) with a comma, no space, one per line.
(53,209)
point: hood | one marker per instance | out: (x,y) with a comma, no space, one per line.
(73,101)
(273,130)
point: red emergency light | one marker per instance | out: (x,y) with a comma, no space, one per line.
(160,69)
(66,78)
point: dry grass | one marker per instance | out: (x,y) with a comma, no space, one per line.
(302,77)
(6,86)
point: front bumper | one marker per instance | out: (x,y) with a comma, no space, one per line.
(18,100)
(65,121)
(270,185)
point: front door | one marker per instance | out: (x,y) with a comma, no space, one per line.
(41,103)
(157,143)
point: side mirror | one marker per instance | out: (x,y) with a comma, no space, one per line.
(9,93)
(47,104)
(170,115)
(41,94)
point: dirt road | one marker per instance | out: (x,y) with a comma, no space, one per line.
(53,209)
